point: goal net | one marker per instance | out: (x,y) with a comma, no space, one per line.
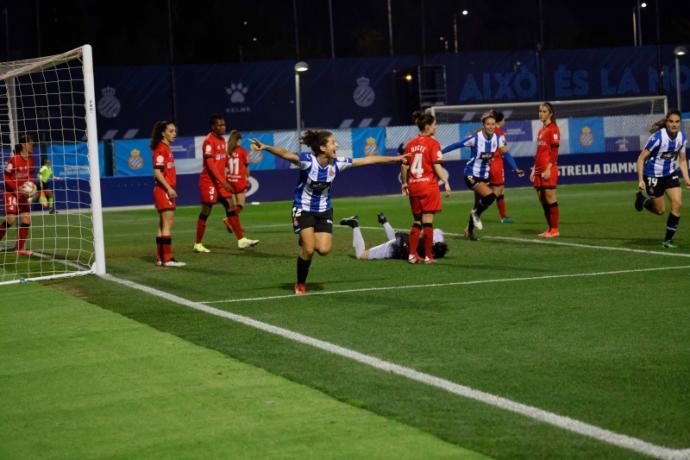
(48,122)
(624,121)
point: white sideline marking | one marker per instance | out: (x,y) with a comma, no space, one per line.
(585,246)
(567,423)
(452,283)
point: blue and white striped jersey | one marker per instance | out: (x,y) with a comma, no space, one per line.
(664,151)
(482,150)
(313,193)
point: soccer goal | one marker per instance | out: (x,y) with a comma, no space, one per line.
(48,107)
(636,106)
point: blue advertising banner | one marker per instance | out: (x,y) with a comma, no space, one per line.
(623,144)
(586,135)
(129,99)
(71,160)
(133,158)
(368,141)
(259,160)
(518,131)
(183,148)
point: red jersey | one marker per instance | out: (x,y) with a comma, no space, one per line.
(548,140)
(237,165)
(498,154)
(17,171)
(424,151)
(215,161)
(163,159)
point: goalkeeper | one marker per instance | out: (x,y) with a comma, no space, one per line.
(46,178)
(398,244)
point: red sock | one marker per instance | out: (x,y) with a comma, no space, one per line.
(200,229)
(428,241)
(23,234)
(233,225)
(414,240)
(555,215)
(238,209)
(501,204)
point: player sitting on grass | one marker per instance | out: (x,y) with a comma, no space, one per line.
(398,244)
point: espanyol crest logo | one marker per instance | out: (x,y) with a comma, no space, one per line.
(108,104)
(363,95)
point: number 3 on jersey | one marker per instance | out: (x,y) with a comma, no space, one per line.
(416,168)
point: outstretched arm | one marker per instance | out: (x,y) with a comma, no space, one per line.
(277,151)
(513,165)
(684,168)
(371,160)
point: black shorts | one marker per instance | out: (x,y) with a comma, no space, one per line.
(471,181)
(321,221)
(656,186)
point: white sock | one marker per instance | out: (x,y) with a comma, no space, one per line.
(390,233)
(357,241)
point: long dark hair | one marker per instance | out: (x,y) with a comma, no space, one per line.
(422,119)
(315,139)
(498,116)
(549,106)
(233,140)
(157,134)
(662,123)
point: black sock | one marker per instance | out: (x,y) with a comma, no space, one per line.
(649,205)
(671,226)
(484,203)
(302,270)
(470,225)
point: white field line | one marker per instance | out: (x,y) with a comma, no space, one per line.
(567,423)
(452,283)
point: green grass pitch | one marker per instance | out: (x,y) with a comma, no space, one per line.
(592,326)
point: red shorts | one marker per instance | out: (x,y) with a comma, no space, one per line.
(540,182)
(210,194)
(426,201)
(496,172)
(240,186)
(162,200)
(16,203)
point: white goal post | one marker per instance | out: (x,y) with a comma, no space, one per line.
(58,232)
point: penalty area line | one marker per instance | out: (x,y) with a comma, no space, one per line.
(452,283)
(566,423)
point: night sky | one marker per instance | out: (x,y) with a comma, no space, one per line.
(137,32)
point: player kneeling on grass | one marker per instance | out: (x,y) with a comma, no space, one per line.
(19,191)
(398,244)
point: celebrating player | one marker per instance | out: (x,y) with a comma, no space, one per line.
(398,244)
(18,172)
(657,171)
(496,172)
(420,178)
(483,144)
(214,187)
(312,212)
(164,194)
(544,175)
(237,174)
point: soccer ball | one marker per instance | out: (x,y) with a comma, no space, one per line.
(29,189)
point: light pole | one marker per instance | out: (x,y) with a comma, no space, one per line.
(679,51)
(637,22)
(455,28)
(300,67)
